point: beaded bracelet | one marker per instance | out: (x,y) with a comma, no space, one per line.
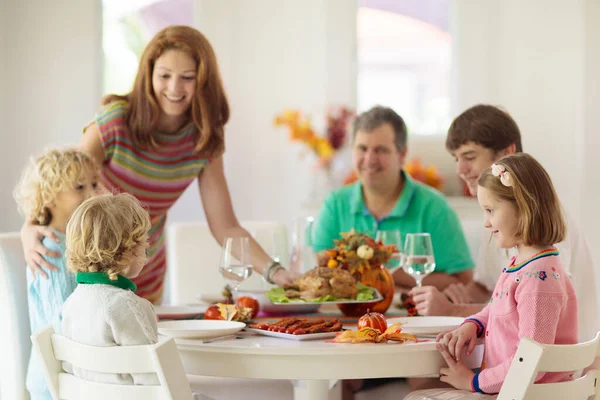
(271,270)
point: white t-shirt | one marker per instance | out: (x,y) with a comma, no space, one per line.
(576,259)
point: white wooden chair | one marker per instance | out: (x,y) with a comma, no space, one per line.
(193,258)
(14,330)
(533,357)
(161,358)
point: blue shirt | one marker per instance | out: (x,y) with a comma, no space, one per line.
(46,298)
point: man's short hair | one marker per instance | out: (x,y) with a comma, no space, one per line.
(485,125)
(377,116)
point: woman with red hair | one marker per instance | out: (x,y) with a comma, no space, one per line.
(153,142)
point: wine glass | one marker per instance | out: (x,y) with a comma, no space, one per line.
(236,263)
(418,256)
(391,237)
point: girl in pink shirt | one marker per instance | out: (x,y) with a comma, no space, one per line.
(533,297)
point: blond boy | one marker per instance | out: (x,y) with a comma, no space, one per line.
(52,186)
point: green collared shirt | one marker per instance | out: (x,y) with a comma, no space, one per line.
(419,209)
(103,279)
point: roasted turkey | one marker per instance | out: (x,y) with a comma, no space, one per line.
(320,282)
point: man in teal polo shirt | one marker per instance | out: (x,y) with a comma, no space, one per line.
(385,198)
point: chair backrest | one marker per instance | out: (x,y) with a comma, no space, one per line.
(14,314)
(532,357)
(193,258)
(161,358)
(469,213)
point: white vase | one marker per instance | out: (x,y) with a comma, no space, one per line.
(322,184)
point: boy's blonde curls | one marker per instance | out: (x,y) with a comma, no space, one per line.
(45,176)
(103,233)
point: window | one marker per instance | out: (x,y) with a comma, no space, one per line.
(127,26)
(404,50)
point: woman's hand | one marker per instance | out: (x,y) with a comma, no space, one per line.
(457,374)
(33,249)
(456,341)
(285,278)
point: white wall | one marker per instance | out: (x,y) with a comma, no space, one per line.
(590,189)
(5,171)
(540,59)
(529,58)
(277,54)
(537,58)
(274,54)
(52,82)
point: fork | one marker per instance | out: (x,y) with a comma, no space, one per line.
(222,338)
(238,335)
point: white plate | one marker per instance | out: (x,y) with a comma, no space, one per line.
(179,312)
(277,308)
(199,329)
(211,298)
(307,336)
(291,308)
(427,325)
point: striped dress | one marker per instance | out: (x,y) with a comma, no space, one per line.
(156,178)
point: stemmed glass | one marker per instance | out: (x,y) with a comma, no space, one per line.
(236,263)
(418,256)
(391,237)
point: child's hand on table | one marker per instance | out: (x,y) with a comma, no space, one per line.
(456,340)
(457,373)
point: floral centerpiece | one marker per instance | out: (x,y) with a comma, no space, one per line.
(356,253)
(365,259)
(323,146)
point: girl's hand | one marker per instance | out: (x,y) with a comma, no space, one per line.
(33,249)
(456,341)
(457,374)
(284,278)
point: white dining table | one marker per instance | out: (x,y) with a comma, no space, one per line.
(314,363)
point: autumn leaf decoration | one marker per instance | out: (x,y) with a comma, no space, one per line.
(357,253)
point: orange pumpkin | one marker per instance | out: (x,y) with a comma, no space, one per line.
(379,278)
(373,320)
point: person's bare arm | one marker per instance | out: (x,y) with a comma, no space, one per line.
(34,250)
(222,220)
(438,279)
(91,144)
(430,301)
(466,310)
(478,292)
(441,280)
